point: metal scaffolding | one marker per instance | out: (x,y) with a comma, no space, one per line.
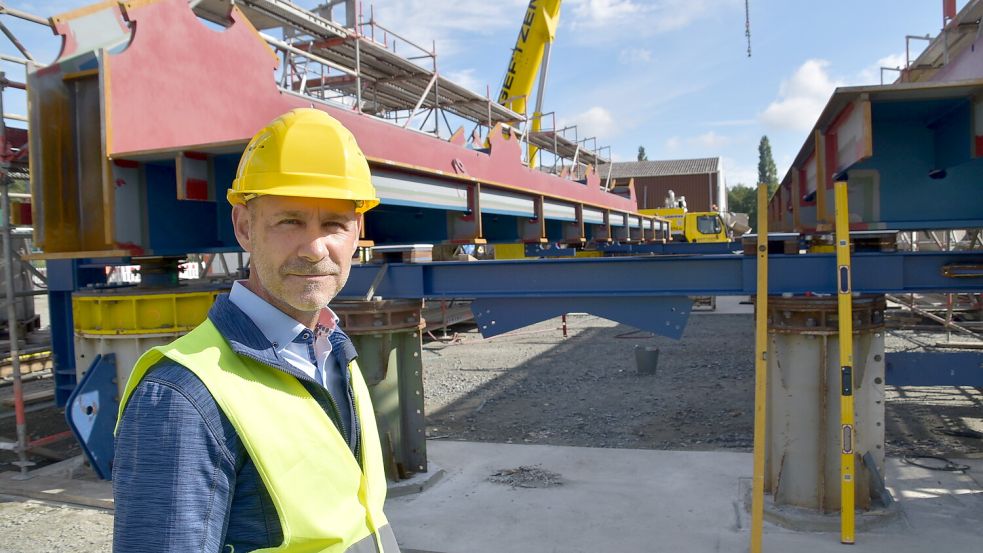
(379,72)
(14,167)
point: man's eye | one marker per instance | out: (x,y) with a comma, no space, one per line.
(289,222)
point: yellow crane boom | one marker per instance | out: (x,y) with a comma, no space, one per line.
(530,57)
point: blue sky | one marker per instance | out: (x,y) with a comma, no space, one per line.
(670,75)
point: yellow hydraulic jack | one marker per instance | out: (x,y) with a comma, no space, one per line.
(845,317)
(760,372)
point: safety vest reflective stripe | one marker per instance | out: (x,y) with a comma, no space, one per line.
(326,501)
(368,544)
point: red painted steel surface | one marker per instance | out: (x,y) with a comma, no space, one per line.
(180,85)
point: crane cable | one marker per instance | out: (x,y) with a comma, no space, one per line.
(747,26)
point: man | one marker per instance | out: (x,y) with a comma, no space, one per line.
(256,431)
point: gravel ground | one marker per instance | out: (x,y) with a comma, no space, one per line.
(534,386)
(28,526)
(929,420)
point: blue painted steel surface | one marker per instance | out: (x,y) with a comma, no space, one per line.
(389,224)
(912,138)
(182,225)
(64,277)
(62,344)
(91,413)
(934,368)
(674,248)
(663,316)
(714,275)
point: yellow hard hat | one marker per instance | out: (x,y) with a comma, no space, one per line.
(304,153)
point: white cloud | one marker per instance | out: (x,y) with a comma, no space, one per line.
(801,98)
(872,74)
(736,173)
(707,141)
(467,79)
(448,22)
(600,13)
(597,122)
(631,56)
(616,19)
(710,140)
(894,60)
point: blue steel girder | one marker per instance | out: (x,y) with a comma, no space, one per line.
(934,368)
(666,316)
(649,292)
(670,248)
(704,275)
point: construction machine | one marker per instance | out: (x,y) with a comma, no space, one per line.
(531,56)
(699,226)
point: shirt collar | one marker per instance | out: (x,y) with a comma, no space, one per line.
(278,327)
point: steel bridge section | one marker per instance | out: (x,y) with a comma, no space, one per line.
(661,276)
(912,154)
(650,292)
(115,175)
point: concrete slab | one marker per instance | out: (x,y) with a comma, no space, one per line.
(645,501)
(619,500)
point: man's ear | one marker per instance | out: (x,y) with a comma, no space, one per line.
(241,224)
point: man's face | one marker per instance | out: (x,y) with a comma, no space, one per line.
(300,249)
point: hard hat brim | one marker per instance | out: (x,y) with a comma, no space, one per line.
(300,185)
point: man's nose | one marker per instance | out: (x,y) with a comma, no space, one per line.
(314,248)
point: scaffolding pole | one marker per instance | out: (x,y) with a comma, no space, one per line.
(20,417)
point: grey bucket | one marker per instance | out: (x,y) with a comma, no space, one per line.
(646,359)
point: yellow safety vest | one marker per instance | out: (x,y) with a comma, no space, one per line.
(326,502)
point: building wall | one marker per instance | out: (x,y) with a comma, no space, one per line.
(700,190)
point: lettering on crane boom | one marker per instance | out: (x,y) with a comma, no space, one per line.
(517,51)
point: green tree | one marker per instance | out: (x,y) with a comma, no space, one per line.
(641,154)
(767,172)
(744,199)
(741,199)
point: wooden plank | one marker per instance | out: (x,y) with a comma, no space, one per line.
(27,366)
(31,397)
(960,345)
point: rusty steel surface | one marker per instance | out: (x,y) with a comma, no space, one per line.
(817,315)
(378,316)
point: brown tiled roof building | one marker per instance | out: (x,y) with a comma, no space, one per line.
(699,180)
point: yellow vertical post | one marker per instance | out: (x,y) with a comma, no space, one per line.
(760,373)
(845,317)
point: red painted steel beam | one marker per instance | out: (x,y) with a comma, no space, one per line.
(180,85)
